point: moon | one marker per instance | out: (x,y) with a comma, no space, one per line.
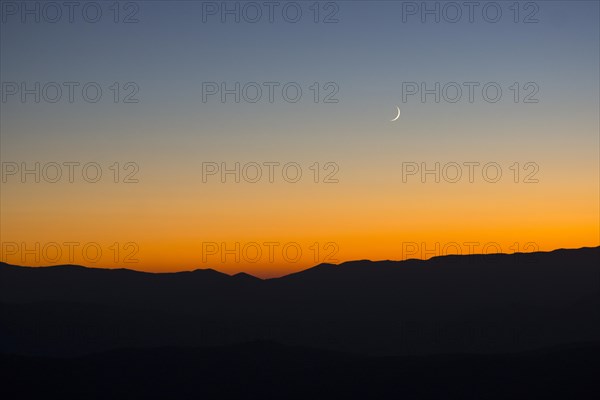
(397,116)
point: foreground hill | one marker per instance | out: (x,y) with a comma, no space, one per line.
(264,370)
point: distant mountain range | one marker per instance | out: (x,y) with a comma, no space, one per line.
(456,327)
(477,304)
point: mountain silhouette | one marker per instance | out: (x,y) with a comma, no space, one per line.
(479,304)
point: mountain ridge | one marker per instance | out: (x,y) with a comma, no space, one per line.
(318,267)
(476,303)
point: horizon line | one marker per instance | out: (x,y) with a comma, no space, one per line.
(301,271)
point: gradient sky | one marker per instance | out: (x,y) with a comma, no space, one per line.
(370,213)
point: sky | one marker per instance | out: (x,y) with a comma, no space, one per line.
(257,137)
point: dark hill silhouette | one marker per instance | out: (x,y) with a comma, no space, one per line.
(265,370)
(452,304)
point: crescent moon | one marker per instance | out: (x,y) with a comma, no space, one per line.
(397,116)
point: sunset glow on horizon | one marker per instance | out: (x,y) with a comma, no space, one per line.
(269,148)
